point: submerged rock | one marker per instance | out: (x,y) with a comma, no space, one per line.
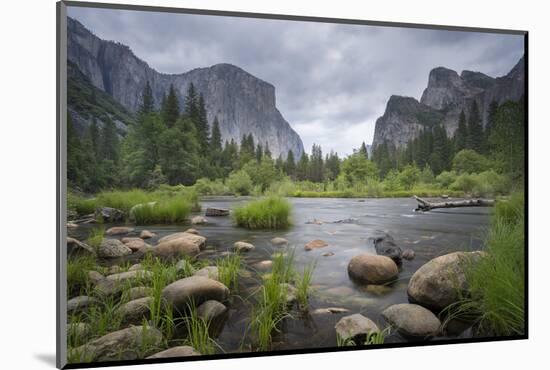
(197,289)
(355,327)
(113,248)
(242,246)
(76,248)
(263,265)
(125,344)
(385,246)
(412,320)
(192,231)
(216,212)
(108,214)
(329,310)
(199,220)
(211,310)
(179,351)
(408,254)
(441,281)
(372,269)
(279,241)
(180,244)
(119,230)
(146,234)
(315,244)
(327,254)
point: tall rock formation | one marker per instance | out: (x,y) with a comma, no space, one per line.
(446,95)
(242,103)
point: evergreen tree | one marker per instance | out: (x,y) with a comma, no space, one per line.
(95,139)
(202,125)
(491,120)
(363,150)
(475,130)
(147,102)
(332,165)
(316,164)
(171,108)
(216,139)
(290,165)
(461,134)
(259,153)
(110,142)
(302,168)
(191,109)
(267,152)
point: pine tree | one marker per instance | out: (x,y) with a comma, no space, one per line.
(332,165)
(363,150)
(302,168)
(216,139)
(171,108)
(147,102)
(267,152)
(110,142)
(290,165)
(259,152)
(491,120)
(191,109)
(95,139)
(316,164)
(202,125)
(461,134)
(475,130)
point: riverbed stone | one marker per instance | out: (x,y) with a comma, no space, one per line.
(114,269)
(263,265)
(108,214)
(242,246)
(408,254)
(180,244)
(372,269)
(199,220)
(128,239)
(80,303)
(279,241)
(216,212)
(95,277)
(327,254)
(412,320)
(355,327)
(441,281)
(210,272)
(113,248)
(329,310)
(125,344)
(197,289)
(315,244)
(138,245)
(137,292)
(76,248)
(119,230)
(130,275)
(179,351)
(146,234)
(135,311)
(137,266)
(78,330)
(385,246)
(211,310)
(192,231)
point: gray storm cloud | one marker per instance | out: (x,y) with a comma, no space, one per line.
(332,80)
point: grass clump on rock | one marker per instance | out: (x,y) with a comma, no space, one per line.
(496,282)
(269,213)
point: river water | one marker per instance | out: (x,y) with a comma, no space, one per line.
(428,234)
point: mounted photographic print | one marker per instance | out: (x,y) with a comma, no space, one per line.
(235,184)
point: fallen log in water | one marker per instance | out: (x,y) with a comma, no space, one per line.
(424,205)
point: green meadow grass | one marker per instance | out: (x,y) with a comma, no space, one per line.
(267,213)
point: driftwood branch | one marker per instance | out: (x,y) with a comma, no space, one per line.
(424,205)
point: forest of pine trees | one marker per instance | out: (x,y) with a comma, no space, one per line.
(177,145)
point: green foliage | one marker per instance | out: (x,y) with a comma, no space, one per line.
(95,237)
(303,285)
(470,161)
(164,211)
(268,213)
(496,281)
(197,332)
(77,275)
(229,269)
(239,182)
(409,176)
(487,183)
(205,186)
(262,173)
(446,178)
(358,169)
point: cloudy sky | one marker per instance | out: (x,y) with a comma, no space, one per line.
(332,81)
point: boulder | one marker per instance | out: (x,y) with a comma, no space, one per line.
(372,269)
(119,230)
(355,327)
(76,248)
(385,246)
(198,220)
(95,277)
(279,241)
(263,265)
(192,231)
(137,292)
(79,331)
(128,239)
(197,289)
(315,244)
(211,310)
(80,303)
(208,272)
(137,245)
(185,266)
(179,351)
(125,344)
(216,212)
(179,244)
(412,320)
(131,275)
(441,281)
(108,214)
(329,310)
(135,311)
(115,283)
(242,246)
(114,269)
(146,234)
(408,254)
(137,266)
(113,248)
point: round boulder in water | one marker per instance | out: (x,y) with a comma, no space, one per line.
(412,320)
(194,289)
(372,269)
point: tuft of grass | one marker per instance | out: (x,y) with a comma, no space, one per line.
(303,285)
(166,211)
(267,213)
(198,336)
(96,237)
(77,275)
(496,282)
(229,269)
(103,318)
(374,337)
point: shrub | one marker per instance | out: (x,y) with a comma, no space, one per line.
(470,161)
(239,183)
(446,178)
(409,176)
(206,186)
(268,213)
